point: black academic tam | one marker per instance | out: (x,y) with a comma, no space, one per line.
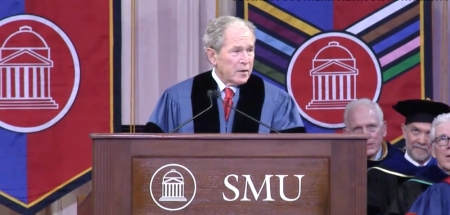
(418,110)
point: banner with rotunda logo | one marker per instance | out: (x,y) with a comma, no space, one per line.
(328,53)
(55,89)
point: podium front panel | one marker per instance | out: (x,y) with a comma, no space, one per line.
(230,185)
(308,174)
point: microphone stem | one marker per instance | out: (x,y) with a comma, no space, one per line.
(187,121)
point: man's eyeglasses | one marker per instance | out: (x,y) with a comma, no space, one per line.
(369,129)
(441,140)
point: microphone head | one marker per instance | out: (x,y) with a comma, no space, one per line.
(213,93)
(209,93)
(216,93)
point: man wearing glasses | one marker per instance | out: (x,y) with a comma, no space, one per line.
(436,176)
(364,116)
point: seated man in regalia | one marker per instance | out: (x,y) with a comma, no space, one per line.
(428,188)
(364,116)
(384,179)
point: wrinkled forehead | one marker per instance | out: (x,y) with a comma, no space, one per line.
(443,129)
(362,115)
(422,126)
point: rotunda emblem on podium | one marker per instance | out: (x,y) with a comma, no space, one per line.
(173,187)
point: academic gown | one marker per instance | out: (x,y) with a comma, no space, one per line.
(435,200)
(384,179)
(257,98)
(410,190)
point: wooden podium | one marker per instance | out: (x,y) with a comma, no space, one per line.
(308,174)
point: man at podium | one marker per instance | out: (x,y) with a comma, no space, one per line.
(229,98)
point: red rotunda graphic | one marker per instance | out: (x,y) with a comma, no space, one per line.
(39,73)
(329,71)
(25,72)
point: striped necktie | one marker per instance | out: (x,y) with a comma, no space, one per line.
(228,100)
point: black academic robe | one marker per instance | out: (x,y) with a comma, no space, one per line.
(384,179)
(256,98)
(400,144)
(410,190)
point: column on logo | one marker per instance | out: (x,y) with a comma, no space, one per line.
(332,87)
(16,82)
(6,82)
(173,190)
(41,75)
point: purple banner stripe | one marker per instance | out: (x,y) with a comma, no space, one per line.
(275,28)
(271,57)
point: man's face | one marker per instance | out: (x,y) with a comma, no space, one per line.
(363,119)
(417,140)
(442,153)
(234,62)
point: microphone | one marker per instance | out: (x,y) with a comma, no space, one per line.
(210,95)
(216,93)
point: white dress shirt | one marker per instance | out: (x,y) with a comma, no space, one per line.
(379,153)
(221,85)
(408,158)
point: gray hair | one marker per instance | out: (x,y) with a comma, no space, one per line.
(364,101)
(445,117)
(215,30)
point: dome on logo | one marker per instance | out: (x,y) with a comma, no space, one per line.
(334,50)
(173,174)
(24,37)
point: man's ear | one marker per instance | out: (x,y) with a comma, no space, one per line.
(433,150)
(384,127)
(212,56)
(404,129)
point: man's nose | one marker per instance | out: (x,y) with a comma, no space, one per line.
(423,139)
(245,58)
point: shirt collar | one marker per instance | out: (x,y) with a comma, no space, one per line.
(408,158)
(220,83)
(379,153)
(382,152)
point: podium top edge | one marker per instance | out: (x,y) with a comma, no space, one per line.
(316,136)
